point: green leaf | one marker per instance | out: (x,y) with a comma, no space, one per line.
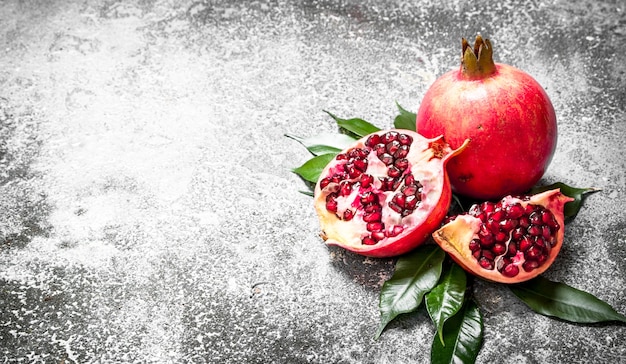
(578,194)
(406,119)
(445,300)
(463,337)
(311,169)
(358,127)
(562,301)
(415,275)
(324,143)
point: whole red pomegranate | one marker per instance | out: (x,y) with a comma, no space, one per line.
(510,241)
(384,195)
(503,111)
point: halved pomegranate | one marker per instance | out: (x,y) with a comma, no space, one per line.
(511,241)
(386,194)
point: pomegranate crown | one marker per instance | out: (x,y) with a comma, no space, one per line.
(477,62)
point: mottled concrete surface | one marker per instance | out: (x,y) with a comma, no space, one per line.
(148,209)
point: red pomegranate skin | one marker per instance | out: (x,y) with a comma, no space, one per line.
(509,120)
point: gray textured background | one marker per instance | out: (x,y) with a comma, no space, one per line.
(148,213)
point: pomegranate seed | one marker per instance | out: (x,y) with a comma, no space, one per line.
(401,163)
(493,225)
(474,245)
(525,244)
(368,241)
(331,202)
(378,235)
(498,215)
(533,253)
(375,226)
(512,249)
(361,164)
(324,182)
(372,140)
(541,259)
(546,233)
(534,230)
(386,158)
(345,188)
(539,242)
(501,236)
(508,224)
(517,234)
(477,254)
(380,149)
(373,216)
(366,180)
(488,254)
(530,265)
(395,231)
(394,172)
(411,202)
(368,197)
(485,263)
(488,207)
(393,147)
(514,211)
(353,172)
(510,270)
(498,249)
(395,207)
(341,156)
(524,222)
(535,218)
(371,208)
(409,179)
(402,152)
(348,215)
(405,139)
(529,209)
(399,199)
(389,136)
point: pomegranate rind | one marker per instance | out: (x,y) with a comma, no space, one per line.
(455,236)
(428,166)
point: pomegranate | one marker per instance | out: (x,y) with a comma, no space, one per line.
(503,111)
(509,241)
(385,194)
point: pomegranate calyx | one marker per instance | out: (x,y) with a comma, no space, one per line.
(478,62)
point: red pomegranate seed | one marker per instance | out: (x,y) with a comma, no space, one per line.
(389,136)
(373,216)
(514,211)
(368,241)
(510,270)
(405,139)
(348,215)
(395,231)
(366,180)
(485,263)
(401,163)
(394,172)
(498,249)
(386,158)
(372,140)
(392,147)
(474,245)
(374,226)
(529,265)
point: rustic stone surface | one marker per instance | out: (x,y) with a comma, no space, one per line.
(148,209)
